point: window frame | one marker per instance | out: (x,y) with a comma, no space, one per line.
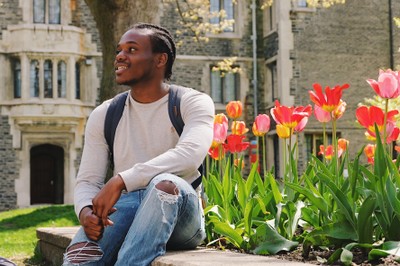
(50,13)
(224,99)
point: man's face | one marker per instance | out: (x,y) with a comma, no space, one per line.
(134,61)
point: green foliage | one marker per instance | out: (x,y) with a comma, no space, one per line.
(18,228)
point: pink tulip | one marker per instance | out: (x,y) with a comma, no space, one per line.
(261,125)
(301,125)
(220,133)
(388,84)
(321,115)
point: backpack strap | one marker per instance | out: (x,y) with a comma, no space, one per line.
(116,108)
(174,111)
(113,115)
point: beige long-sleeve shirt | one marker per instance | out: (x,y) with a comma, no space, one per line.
(145,144)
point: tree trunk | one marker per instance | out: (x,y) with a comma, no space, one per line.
(113,18)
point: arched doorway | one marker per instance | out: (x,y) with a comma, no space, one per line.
(47,174)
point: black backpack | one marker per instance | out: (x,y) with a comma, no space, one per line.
(116,108)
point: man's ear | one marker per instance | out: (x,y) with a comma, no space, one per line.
(162,59)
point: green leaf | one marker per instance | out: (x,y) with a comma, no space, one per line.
(314,199)
(380,168)
(250,179)
(332,234)
(341,199)
(275,189)
(268,241)
(248,221)
(346,257)
(365,220)
(387,248)
(227,231)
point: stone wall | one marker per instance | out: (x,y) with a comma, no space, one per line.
(9,169)
(343,44)
(10,13)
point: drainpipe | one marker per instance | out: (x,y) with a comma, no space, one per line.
(391,58)
(254,38)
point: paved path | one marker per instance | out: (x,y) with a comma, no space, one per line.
(53,241)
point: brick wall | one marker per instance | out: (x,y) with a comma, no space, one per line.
(9,169)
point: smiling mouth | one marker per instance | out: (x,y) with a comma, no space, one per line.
(121,68)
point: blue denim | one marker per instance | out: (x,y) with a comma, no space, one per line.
(146,223)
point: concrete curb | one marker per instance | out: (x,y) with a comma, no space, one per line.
(53,242)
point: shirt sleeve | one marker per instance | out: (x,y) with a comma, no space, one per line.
(94,161)
(197,111)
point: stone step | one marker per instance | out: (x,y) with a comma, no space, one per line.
(54,240)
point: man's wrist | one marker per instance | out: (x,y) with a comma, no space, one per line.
(120,182)
(84,211)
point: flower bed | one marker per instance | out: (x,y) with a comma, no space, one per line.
(349,212)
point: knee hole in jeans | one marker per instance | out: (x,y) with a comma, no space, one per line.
(168,187)
(83,252)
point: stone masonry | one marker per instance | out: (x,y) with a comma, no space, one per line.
(9,169)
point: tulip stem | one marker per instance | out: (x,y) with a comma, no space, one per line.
(335,148)
(384,141)
(264,159)
(324,139)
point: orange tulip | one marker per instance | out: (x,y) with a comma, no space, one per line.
(261,125)
(328,152)
(234,109)
(283,131)
(369,151)
(237,161)
(342,146)
(239,128)
(388,84)
(331,99)
(221,119)
(339,110)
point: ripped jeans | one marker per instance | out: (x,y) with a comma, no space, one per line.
(146,223)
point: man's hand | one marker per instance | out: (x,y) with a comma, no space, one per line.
(91,224)
(104,201)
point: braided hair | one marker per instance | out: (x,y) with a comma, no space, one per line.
(161,42)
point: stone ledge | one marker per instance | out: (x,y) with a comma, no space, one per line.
(53,241)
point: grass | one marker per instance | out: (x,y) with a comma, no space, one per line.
(18,230)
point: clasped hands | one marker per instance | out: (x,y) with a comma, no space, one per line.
(94,219)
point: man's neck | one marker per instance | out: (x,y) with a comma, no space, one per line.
(149,93)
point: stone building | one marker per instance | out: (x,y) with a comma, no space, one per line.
(342,44)
(50,60)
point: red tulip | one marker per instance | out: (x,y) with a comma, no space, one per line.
(235,143)
(321,115)
(234,109)
(369,116)
(331,99)
(216,152)
(289,116)
(388,84)
(239,128)
(261,125)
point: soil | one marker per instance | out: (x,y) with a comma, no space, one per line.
(319,257)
